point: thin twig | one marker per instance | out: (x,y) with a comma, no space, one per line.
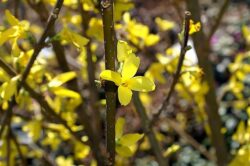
(202,47)
(218,19)
(178,9)
(4,123)
(7,115)
(179,66)
(8,150)
(46,157)
(189,139)
(147,128)
(110,88)
(13,137)
(42,11)
(16,7)
(8,136)
(51,21)
(93,92)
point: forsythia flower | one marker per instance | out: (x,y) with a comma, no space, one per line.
(164,25)
(125,143)
(246,33)
(74,38)
(126,80)
(16,31)
(139,33)
(123,50)
(194,27)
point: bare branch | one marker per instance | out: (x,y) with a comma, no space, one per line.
(147,128)
(51,21)
(110,88)
(218,19)
(178,70)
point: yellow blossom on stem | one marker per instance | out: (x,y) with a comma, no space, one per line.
(194,27)
(126,81)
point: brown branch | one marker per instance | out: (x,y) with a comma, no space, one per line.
(93,92)
(8,150)
(16,7)
(218,19)
(8,136)
(183,51)
(110,88)
(46,157)
(147,128)
(189,139)
(214,120)
(43,13)
(4,122)
(41,42)
(7,116)
(13,137)
(178,9)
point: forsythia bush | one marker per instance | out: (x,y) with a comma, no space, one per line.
(53,75)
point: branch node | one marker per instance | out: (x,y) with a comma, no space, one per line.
(106,3)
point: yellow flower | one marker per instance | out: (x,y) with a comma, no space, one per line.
(194,27)
(123,50)
(95,29)
(138,33)
(164,25)
(155,72)
(16,31)
(125,143)
(70,36)
(246,33)
(126,81)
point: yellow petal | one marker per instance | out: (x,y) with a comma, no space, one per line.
(15,49)
(194,27)
(126,17)
(9,88)
(152,39)
(123,151)
(119,127)
(76,39)
(7,34)
(61,79)
(139,30)
(164,25)
(130,67)
(124,95)
(95,29)
(63,92)
(123,50)
(111,76)
(141,83)
(10,18)
(130,139)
